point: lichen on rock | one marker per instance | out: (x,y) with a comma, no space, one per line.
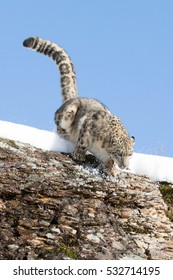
(53,208)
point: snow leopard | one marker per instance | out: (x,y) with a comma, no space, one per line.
(86,122)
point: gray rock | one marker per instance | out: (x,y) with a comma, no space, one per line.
(53,208)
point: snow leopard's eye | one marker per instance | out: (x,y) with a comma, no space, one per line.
(118,153)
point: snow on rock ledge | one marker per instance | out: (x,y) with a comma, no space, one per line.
(156,167)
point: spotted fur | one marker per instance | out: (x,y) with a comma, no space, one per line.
(63,62)
(85,121)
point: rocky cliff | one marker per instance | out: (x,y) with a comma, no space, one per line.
(54,208)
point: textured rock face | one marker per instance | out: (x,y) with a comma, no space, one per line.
(52,208)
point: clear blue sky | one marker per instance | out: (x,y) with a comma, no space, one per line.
(123,55)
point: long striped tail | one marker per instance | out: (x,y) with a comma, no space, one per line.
(63,62)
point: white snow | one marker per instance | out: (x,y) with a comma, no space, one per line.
(158,168)
(38,138)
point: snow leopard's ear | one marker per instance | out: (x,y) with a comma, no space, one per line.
(133,140)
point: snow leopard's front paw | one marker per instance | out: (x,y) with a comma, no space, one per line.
(78,155)
(109,168)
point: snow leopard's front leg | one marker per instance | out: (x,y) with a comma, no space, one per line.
(81,145)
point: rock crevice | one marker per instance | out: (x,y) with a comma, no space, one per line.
(53,208)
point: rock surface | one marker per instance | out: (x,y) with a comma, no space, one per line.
(54,208)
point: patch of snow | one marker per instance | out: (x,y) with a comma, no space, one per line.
(158,168)
(38,138)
